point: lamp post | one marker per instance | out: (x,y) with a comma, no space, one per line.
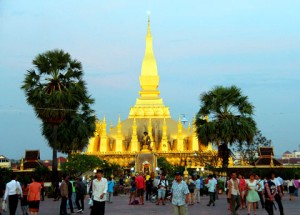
(157,170)
(131,171)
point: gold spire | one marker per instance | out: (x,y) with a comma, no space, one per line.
(149,67)
(149,32)
(149,104)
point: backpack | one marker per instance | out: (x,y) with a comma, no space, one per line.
(166,184)
(272,188)
(149,183)
(191,186)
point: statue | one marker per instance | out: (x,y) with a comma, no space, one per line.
(146,142)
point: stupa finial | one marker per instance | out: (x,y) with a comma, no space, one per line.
(148,13)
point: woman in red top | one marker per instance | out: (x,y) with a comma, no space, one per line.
(243,190)
(34,196)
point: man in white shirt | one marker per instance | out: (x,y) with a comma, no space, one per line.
(211,185)
(260,191)
(279,192)
(234,192)
(12,192)
(99,188)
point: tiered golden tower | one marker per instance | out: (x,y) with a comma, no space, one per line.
(169,138)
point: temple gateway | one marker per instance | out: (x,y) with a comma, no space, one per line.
(149,131)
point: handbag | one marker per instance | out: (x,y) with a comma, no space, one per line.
(18,192)
(4,206)
(91,202)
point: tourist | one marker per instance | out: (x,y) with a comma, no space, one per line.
(70,195)
(42,191)
(260,191)
(211,185)
(252,195)
(64,193)
(191,186)
(234,193)
(13,191)
(162,187)
(180,195)
(280,180)
(216,196)
(132,191)
(99,188)
(149,186)
(279,193)
(270,192)
(110,189)
(291,188)
(198,183)
(226,191)
(121,184)
(34,196)
(56,191)
(297,185)
(140,187)
(80,190)
(2,190)
(243,190)
(24,202)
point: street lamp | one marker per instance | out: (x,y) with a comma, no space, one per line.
(132,170)
(157,170)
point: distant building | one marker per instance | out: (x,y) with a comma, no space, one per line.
(4,162)
(291,158)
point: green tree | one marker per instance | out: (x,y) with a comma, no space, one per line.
(167,167)
(78,164)
(248,151)
(230,119)
(42,173)
(57,92)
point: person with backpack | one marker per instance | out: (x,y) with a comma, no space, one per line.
(162,187)
(270,193)
(191,186)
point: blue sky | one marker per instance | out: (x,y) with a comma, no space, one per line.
(198,45)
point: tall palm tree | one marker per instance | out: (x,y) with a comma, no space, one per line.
(56,91)
(230,119)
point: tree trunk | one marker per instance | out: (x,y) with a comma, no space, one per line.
(54,156)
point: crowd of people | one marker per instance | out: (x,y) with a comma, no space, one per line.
(256,190)
(248,194)
(28,194)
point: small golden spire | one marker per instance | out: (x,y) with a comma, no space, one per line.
(149,32)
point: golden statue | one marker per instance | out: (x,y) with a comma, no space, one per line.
(146,142)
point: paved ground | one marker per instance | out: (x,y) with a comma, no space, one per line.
(120,206)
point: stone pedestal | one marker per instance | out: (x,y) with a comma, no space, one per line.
(146,161)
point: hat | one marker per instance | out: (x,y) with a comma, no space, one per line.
(178,173)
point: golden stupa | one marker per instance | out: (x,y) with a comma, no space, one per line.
(169,138)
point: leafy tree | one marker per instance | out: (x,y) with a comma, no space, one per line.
(168,168)
(57,92)
(209,159)
(248,151)
(230,119)
(78,164)
(42,173)
(5,175)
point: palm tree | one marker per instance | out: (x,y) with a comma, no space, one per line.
(57,92)
(230,119)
